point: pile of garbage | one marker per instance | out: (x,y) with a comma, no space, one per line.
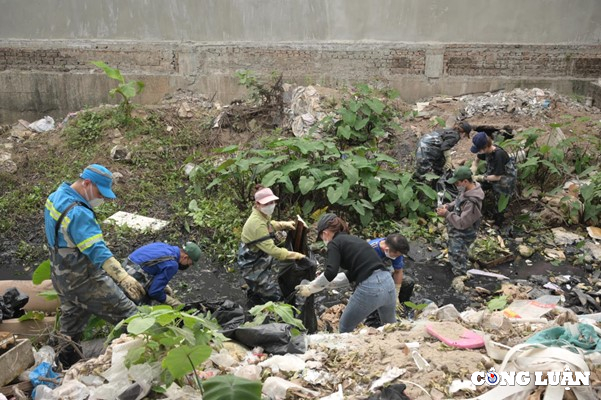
(441,354)
(520,102)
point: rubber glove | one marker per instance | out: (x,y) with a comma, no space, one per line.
(340,281)
(172,301)
(448,162)
(478,178)
(293,255)
(287,225)
(168,290)
(129,284)
(398,289)
(316,285)
(474,168)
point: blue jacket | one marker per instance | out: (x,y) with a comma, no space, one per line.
(160,273)
(83,231)
(397,263)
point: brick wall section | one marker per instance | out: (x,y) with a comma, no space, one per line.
(66,60)
(522,60)
(342,61)
(363,62)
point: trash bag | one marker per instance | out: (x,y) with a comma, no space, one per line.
(42,125)
(269,279)
(274,338)
(392,392)
(447,192)
(228,314)
(429,157)
(294,273)
(12,303)
(260,272)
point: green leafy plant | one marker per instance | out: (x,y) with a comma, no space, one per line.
(364,117)
(416,307)
(32,316)
(276,312)
(179,340)
(42,273)
(591,195)
(229,387)
(261,92)
(222,221)
(497,303)
(127,90)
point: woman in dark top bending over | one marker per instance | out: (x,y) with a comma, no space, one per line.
(374,287)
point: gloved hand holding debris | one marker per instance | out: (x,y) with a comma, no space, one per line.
(293,255)
(478,178)
(129,284)
(172,301)
(287,225)
(316,285)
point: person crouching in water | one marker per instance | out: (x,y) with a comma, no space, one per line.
(374,287)
(463,217)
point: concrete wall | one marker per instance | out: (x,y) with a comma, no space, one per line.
(422,48)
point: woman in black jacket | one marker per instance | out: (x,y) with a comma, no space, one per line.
(374,287)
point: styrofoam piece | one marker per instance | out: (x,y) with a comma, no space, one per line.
(137,222)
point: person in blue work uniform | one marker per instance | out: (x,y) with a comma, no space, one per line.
(87,277)
(363,268)
(394,247)
(154,264)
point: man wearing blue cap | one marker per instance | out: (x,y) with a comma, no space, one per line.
(84,272)
(500,175)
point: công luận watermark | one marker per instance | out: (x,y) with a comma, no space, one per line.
(566,378)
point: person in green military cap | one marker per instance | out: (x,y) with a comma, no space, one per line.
(463,218)
(155,264)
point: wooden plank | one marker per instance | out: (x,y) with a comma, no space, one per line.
(25,387)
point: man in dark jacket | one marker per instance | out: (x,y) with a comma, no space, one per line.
(463,218)
(433,154)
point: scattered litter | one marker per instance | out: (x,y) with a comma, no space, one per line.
(137,222)
(486,273)
(594,232)
(390,375)
(287,363)
(455,335)
(459,385)
(42,125)
(529,309)
(563,237)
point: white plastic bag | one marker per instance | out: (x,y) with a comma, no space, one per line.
(42,125)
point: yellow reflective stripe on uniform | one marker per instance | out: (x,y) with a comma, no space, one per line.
(56,215)
(89,242)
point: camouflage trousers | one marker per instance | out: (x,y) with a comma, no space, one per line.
(84,290)
(459,244)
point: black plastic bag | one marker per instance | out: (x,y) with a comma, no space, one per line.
(392,392)
(260,272)
(228,314)
(274,338)
(12,303)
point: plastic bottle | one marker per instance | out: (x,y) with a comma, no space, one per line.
(44,354)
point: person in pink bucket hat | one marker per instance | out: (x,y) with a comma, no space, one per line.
(258,250)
